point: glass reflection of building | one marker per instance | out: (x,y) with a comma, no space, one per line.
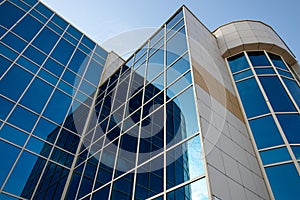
(170,122)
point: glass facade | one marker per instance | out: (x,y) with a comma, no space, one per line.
(65,137)
(49,75)
(269,93)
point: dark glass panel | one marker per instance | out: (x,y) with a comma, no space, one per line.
(178,68)
(53,67)
(45,40)
(13,135)
(48,77)
(122,188)
(258,58)
(157,36)
(88,42)
(294,89)
(22,29)
(252,98)
(44,10)
(155,64)
(62,157)
(57,111)
(9,155)
(265,132)
(242,75)
(39,16)
(63,51)
(14,42)
(296,150)
(260,71)
(277,61)
(39,147)
(277,95)
(176,46)
(22,118)
(71,78)
(275,155)
(4,63)
(290,124)
(6,107)
(34,55)
(73,187)
(284,73)
(22,173)
(238,63)
(175,28)
(101,52)
(9,81)
(59,21)
(40,89)
(103,193)
(6,10)
(284,181)
(179,85)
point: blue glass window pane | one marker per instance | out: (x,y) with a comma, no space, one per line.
(2,30)
(252,98)
(6,10)
(296,150)
(277,95)
(66,88)
(264,71)
(7,52)
(258,58)
(275,155)
(6,107)
(70,39)
(155,64)
(87,88)
(27,64)
(88,42)
(71,78)
(40,89)
(58,106)
(9,81)
(265,132)
(14,42)
(242,75)
(59,21)
(53,67)
(22,29)
(179,85)
(294,89)
(181,116)
(122,188)
(39,147)
(55,28)
(4,63)
(45,129)
(178,68)
(78,62)
(184,162)
(39,16)
(101,52)
(74,32)
(13,135)
(283,73)
(157,37)
(34,55)
(277,61)
(238,63)
(23,119)
(21,4)
(9,155)
(176,46)
(175,28)
(284,181)
(93,72)
(48,77)
(174,20)
(290,124)
(195,190)
(21,173)
(45,40)
(44,10)
(63,51)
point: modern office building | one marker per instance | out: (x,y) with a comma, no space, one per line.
(192,114)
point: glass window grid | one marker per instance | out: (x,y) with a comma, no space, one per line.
(21,5)
(178,26)
(277,74)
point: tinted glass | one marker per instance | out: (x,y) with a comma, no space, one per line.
(178,68)
(258,58)
(294,89)
(7,19)
(63,51)
(276,94)
(275,155)
(13,135)
(277,61)
(14,42)
(35,55)
(45,40)
(155,64)
(238,63)
(264,71)
(6,107)
(252,98)
(242,75)
(5,63)
(290,124)
(265,132)
(176,46)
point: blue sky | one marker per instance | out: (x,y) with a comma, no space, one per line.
(109,22)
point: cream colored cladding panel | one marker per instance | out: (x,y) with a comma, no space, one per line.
(232,167)
(251,35)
